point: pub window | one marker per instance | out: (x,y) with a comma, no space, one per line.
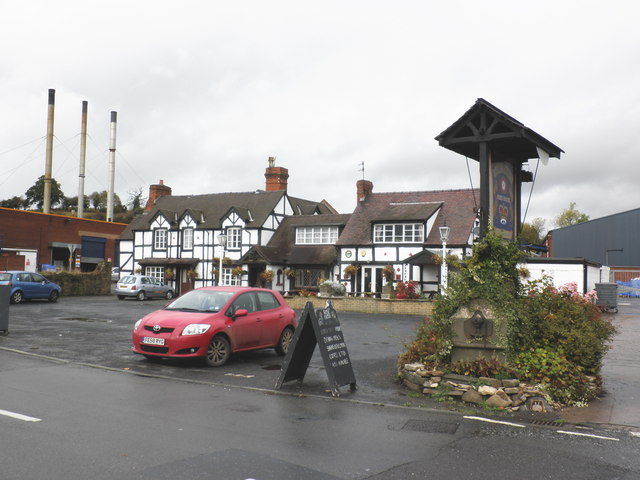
(187,239)
(316,235)
(229,279)
(308,278)
(155,272)
(160,239)
(398,233)
(234,238)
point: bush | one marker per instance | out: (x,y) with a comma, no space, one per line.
(552,336)
(406,290)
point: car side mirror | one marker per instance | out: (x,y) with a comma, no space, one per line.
(241,312)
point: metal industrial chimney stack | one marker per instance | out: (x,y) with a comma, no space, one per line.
(83,153)
(112,166)
(46,204)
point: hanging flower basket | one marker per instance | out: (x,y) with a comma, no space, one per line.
(266,276)
(289,272)
(351,271)
(169,274)
(192,275)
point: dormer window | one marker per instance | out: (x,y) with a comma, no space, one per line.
(316,235)
(398,233)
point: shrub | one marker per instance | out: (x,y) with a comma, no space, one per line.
(406,290)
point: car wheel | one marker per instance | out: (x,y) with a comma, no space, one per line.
(53,296)
(141,295)
(169,295)
(285,341)
(218,351)
(17,297)
(120,297)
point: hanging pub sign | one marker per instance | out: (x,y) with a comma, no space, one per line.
(320,327)
(503,199)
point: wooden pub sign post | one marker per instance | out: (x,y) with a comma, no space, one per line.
(501,145)
(320,327)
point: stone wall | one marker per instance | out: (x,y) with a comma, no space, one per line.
(366,305)
(508,394)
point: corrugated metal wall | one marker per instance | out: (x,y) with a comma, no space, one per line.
(592,239)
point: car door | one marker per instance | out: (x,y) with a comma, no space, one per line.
(24,283)
(246,330)
(39,286)
(271,318)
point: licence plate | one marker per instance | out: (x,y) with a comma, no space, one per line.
(153,341)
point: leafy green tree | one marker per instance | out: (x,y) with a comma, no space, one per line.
(533,233)
(570,216)
(71,203)
(35,194)
(16,202)
(99,202)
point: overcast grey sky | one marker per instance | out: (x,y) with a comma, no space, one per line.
(206,91)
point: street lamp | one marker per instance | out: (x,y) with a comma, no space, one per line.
(222,241)
(444,236)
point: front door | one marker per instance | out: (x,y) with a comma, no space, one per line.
(372,280)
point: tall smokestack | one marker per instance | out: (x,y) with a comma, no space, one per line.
(112,166)
(83,154)
(46,204)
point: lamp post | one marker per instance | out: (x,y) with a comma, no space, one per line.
(444,236)
(222,241)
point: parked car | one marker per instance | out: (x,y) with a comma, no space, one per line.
(28,286)
(214,322)
(142,287)
(115,274)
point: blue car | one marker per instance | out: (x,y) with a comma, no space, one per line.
(29,285)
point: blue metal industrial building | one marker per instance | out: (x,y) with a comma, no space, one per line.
(612,240)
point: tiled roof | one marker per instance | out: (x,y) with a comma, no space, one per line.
(253,207)
(455,207)
(282,248)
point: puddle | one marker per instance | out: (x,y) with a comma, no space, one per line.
(85,319)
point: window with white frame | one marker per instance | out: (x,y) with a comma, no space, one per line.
(398,233)
(234,238)
(156,272)
(228,278)
(316,235)
(187,239)
(160,239)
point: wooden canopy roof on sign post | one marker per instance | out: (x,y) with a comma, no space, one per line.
(486,133)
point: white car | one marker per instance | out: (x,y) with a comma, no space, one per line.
(142,287)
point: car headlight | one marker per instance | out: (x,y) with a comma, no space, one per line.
(135,327)
(195,329)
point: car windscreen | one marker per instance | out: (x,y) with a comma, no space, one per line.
(201,301)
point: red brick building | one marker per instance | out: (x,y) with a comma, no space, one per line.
(29,240)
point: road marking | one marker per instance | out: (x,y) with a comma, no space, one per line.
(482,419)
(19,416)
(579,434)
(635,434)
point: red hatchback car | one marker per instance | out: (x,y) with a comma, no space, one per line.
(214,322)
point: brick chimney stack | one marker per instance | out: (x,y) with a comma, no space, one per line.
(276,176)
(364,187)
(155,192)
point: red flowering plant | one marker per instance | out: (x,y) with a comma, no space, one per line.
(406,290)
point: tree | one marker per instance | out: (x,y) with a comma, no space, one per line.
(16,202)
(99,202)
(533,233)
(35,194)
(137,200)
(570,216)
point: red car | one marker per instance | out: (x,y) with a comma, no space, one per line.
(214,322)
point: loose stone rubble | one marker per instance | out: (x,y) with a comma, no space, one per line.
(505,394)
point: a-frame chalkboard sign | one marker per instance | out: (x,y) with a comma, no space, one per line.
(320,327)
